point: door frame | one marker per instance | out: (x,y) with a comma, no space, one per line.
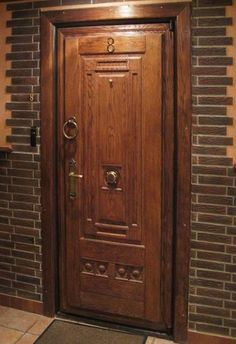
(179,14)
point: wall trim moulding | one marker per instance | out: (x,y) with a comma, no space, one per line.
(203,338)
(22,304)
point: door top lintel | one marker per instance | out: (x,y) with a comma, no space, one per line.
(113,4)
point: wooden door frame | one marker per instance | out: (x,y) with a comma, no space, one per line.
(179,14)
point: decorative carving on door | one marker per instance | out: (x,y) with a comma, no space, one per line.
(94,267)
(133,273)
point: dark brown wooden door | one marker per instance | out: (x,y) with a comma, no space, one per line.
(115,94)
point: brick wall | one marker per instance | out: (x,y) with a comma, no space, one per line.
(213,273)
(213,269)
(20,238)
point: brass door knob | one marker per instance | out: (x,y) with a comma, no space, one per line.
(112,177)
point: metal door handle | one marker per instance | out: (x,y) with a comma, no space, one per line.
(73,174)
(72,184)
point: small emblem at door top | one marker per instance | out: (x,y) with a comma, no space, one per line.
(110,40)
(110,46)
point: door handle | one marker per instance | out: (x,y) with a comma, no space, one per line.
(73,176)
(73,184)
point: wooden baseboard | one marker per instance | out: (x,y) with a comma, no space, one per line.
(201,338)
(22,304)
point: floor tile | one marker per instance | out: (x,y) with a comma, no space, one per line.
(40,325)
(9,336)
(3,309)
(27,339)
(152,340)
(18,320)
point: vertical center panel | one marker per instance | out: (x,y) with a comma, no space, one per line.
(112,147)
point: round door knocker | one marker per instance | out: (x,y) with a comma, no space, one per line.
(112,178)
(70,126)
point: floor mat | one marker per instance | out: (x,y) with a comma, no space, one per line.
(71,333)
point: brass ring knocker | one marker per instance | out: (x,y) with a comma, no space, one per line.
(112,178)
(70,123)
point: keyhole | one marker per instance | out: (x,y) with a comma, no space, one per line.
(111,82)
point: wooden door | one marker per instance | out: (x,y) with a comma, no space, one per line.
(115,106)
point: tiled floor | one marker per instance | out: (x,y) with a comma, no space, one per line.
(158,341)
(18,327)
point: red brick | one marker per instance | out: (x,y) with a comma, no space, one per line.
(202,32)
(207,265)
(214,3)
(206,190)
(209,90)
(206,301)
(25,47)
(209,51)
(215,101)
(214,275)
(19,39)
(215,161)
(48,3)
(209,151)
(207,246)
(215,41)
(24,286)
(208,71)
(25,14)
(215,180)
(204,208)
(209,12)
(19,6)
(215,120)
(215,200)
(208,22)
(215,61)
(19,56)
(214,293)
(224,331)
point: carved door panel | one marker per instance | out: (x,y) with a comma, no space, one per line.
(116,174)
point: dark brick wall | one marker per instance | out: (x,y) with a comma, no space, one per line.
(213,271)
(20,236)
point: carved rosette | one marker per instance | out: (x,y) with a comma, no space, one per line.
(134,273)
(94,267)
(122,272)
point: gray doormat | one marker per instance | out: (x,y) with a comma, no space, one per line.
(62,332)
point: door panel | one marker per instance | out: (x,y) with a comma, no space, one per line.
(116,244)
(111,213)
